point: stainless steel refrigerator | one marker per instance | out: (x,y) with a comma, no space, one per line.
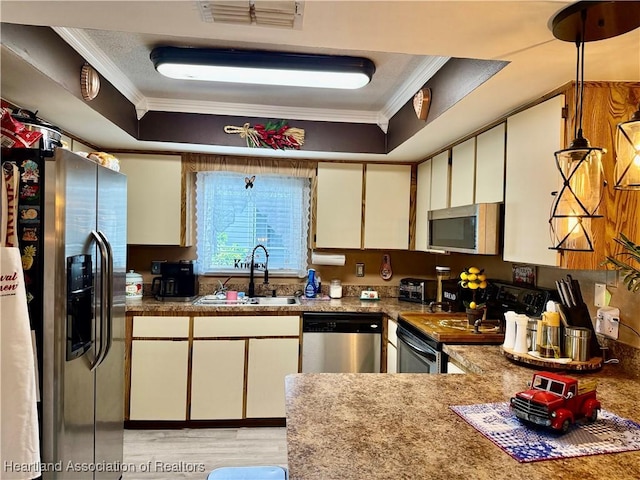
(72,235)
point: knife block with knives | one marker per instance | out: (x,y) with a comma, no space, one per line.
(574,312)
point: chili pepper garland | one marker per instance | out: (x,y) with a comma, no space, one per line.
(276,135)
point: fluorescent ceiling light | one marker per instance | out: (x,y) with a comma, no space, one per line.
(264,68)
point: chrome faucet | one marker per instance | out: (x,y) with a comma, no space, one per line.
(252,288)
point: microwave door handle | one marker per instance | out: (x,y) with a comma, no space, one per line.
(108,301)
(420,351)
(101,326)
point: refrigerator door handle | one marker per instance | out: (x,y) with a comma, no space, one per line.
(104,254)
(108,301)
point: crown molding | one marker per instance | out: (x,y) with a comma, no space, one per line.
(427,69)
(265,111)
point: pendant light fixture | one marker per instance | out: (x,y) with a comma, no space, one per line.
(627,169)
(580,165)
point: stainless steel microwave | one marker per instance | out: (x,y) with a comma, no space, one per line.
(467,229)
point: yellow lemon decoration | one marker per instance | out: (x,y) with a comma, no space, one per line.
(474,279)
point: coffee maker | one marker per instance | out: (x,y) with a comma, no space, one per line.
(177,282)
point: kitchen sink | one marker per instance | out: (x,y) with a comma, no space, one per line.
(213,301)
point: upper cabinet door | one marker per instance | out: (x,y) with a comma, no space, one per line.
(490,152)
(532,138)
(440,181)
(339,205)
(387,193)
(463,173)
(154,198)
(423,205)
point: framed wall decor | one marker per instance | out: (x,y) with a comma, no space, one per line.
(524,274)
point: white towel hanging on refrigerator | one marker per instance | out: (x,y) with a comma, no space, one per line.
(18,396)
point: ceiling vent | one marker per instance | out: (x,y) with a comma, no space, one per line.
(283,14)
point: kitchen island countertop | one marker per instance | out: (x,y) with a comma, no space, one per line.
(400,426)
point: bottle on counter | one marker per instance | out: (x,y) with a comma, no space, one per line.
(318,285)
(310,287)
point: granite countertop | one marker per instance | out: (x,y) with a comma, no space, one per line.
(389,306)
(383,426)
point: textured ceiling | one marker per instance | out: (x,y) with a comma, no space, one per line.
(130,52)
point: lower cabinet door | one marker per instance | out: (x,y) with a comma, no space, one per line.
(392,358)
(270,360)
(217,379)
(159,380)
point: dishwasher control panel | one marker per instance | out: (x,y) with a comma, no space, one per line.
(341,322)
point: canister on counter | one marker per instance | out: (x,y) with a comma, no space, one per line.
(133,288)
(576,343)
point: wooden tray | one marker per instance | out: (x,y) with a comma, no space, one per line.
(593,363)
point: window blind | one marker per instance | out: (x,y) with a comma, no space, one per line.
(234,213)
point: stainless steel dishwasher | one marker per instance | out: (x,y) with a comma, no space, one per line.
(341,342)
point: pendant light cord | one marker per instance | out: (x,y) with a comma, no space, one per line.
(580,66)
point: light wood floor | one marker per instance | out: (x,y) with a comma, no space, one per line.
(192,453)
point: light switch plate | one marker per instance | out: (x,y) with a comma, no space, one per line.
(600,295)
(359,269)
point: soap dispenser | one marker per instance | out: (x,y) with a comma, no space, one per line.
(310,287)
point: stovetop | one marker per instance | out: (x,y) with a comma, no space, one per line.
(500,297)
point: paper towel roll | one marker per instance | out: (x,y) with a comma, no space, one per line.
(327,259)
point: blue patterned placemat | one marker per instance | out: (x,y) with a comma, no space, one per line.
(608,434)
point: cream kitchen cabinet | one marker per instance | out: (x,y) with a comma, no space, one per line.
(339,205)
(342,190)
(217,379)
(159,368)
(490,156)
(440,181)
(386,217)
(237,370)
(154,199)
(533,136)
(270,360)
(423,205)
(463,173)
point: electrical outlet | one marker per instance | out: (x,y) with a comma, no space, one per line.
(600,295)
(359,269)
(608,322)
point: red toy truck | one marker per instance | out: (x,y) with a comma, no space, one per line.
(556,401)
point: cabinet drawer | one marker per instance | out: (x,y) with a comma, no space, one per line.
(225,326)
(164,327)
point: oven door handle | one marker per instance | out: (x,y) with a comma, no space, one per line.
(428,353)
